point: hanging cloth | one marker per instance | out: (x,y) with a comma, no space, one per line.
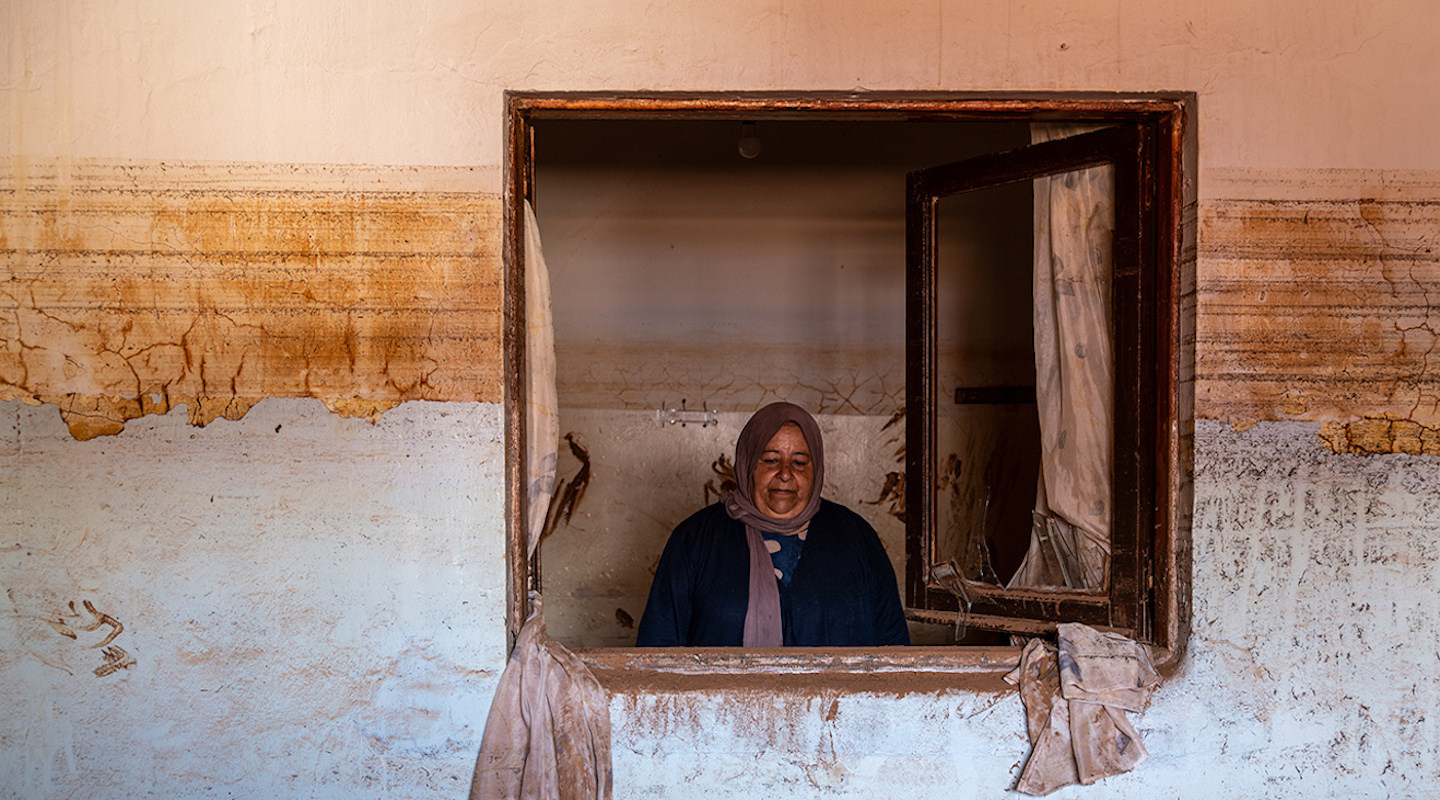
(542,412)
(1075,697)
(548,733)
(1074,374)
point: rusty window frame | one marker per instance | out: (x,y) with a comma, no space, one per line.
(1169,120)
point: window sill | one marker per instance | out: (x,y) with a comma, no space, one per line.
(881,670)
(857,670)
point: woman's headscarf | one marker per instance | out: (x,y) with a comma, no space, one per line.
(762,616)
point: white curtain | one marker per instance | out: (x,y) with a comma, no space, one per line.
(548,733)
(1074,371)
(542,416)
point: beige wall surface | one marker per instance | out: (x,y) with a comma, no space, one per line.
(1283,84)
(309,605)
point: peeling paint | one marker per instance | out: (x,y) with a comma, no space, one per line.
(127,292)
(368,410)
(1377,435)
(88,416)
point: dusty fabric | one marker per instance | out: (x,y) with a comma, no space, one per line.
(1106,668)
(548,734)
(1075,700)
(762,617)
(1074,372)
(542,415)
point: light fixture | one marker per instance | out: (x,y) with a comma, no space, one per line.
(749,141)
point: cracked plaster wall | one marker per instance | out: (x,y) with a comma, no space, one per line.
(1310,670)
(1318,302)
(130,289)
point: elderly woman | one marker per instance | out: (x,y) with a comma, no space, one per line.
(773,564)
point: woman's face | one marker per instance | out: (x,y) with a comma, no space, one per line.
(784,474)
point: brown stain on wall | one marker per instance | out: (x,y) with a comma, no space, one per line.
(125,293)
(88,416)
(568,491)
(893,490)
(1320,310)
(823,377)
(800,687)
(69,621)
(1380,435)
(724,481)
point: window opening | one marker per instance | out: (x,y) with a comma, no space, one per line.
(974,504)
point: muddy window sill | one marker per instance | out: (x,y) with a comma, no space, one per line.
(885,670)
(874,670)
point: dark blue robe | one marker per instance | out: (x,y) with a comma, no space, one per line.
(843,592)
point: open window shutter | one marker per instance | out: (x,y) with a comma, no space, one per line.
(931,593)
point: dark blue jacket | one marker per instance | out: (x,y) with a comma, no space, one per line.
(843,592)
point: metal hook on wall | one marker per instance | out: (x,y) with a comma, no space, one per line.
(683,416)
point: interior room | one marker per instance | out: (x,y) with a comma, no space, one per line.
(684,272)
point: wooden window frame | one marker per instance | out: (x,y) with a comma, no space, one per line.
(1169,119)
(1123,604)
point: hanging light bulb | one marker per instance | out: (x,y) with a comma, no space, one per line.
(749,141)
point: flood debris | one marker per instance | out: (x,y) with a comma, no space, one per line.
(568,492)
(548,732)
(1076,695)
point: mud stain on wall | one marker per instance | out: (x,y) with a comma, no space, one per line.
(70,621)
(129,290)
(1320,310)
(1375,436)
(823,377)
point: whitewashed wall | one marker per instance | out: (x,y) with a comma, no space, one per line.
(311,603)
(332,624)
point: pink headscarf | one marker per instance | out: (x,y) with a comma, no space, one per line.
(762,615)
